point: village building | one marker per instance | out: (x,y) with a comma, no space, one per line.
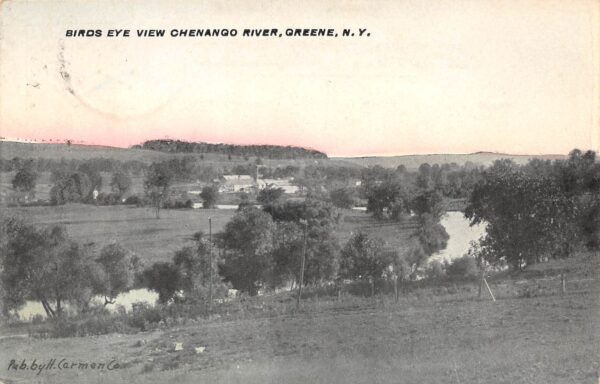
(237,183)
(285,184)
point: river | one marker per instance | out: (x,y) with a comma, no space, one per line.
(461,234)
(33,308)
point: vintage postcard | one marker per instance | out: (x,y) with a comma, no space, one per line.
(339,191)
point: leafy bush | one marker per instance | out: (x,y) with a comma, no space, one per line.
(464,267)
(435,270)
(143,315)
(342,197)
(133,200)
(177,204)
(98,324)
(108,199)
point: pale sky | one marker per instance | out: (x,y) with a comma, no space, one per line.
(439,76)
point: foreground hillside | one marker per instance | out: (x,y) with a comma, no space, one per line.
(531,334)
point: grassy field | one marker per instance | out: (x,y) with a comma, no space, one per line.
(136,229)
(430,336)
(153,240)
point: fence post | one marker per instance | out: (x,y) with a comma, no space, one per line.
(481,278)
(210,271)
(302,265)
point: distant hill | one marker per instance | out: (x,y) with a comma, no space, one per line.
(412,162)
(27,150)
(262,151)
(11,149)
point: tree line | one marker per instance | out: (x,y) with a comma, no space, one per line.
(266,151)
(75,180)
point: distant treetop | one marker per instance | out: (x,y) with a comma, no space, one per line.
(268,151)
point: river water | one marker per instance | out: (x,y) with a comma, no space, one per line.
(461,234)
(34,308)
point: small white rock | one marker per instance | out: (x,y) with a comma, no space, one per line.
(200,349)
(178,346)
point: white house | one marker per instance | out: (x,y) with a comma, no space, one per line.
(237,183)
(285,184)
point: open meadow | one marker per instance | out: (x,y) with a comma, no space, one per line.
(134,228)
(153,239)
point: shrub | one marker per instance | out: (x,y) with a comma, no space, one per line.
(435,270)
(244,204)
(99,324)
(148,367)
(464,267)
(108,199)
(143,315)
(342,197)
(177,204)
(133,200)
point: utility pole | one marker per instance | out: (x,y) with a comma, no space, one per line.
(302,264)
(210,269)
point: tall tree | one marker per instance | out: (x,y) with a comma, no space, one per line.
(120,183)
(528,215)
(364,258)
(269,195)
(119,271)
(209,195)
(428,202)
(195,268)
(43,265)
(24,180)
(156,185)
(319,220)
(247,240)
(163,278)
(71,188)
(342,197)
(90,168)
